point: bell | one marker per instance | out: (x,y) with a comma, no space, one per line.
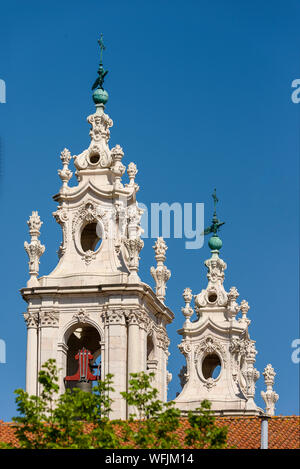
(84,376)
(84,386)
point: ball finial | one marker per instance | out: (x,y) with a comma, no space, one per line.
(215,243)
(100,96)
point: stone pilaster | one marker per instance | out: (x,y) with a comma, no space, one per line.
(32,352)
(48,335)
(117,358)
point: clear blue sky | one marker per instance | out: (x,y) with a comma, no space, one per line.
(200,95)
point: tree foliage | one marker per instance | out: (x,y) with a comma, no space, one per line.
(80,420)
(152,423)
(75,419)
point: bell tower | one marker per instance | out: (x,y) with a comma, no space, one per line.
(94,300)
(220,355)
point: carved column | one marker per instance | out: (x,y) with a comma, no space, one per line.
(32,352)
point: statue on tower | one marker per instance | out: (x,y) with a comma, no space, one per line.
(216,224)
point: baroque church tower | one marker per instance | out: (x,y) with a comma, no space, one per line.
(220,355)
(93,310)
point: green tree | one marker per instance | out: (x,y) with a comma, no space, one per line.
(153,423)
(76,419)
(203,431)
(80,420)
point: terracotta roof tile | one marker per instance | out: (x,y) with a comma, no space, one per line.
(243,432)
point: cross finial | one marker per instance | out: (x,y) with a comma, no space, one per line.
(101,75)
(216,200)
(216,224)
(102,47)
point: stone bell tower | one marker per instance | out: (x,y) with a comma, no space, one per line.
(220,355)
(94,299)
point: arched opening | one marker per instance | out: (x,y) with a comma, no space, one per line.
(90,237)
(87,337)
(151,361)
(211,366)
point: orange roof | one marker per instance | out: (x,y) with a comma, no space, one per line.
(243,432)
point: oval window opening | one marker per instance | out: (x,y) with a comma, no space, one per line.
(90,240)
(94,158)
(212,297)
(211,366)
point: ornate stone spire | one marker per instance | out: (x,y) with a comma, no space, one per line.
(102,305)
(215,293)
(97,155)
(34,249)
(220,355)
(270,397)
(160,274)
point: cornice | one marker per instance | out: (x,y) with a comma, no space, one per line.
(196,328)
(143,291)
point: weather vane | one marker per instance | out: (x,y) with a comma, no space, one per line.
(216,224)
(102,47)
(101,72)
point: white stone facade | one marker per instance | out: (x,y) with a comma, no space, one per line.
(219,353)
(95,299)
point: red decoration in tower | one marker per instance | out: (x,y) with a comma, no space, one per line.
(84,372)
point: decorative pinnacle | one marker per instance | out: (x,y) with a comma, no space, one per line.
(100,96)
(34,249)
(187,310)
(160,274)
(269,396)
(215,243)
